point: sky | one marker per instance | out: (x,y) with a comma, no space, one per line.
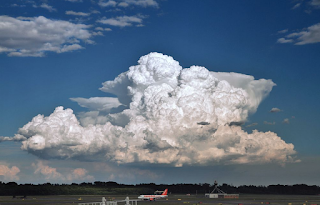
(162,91)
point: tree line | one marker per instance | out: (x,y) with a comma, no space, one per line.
(113,188)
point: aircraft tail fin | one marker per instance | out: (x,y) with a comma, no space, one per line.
(165,192)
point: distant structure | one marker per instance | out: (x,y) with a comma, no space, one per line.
(218,193)
(127,201)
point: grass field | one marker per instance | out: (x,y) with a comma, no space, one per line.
(172,200)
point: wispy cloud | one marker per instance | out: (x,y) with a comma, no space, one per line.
(122,21)
(296,6)
(109,3)
(142,3)
(286,121)
(126,3)
(283,31)
(269,123)
(283,40)
(315,3)
(75,0)
(48,7)
(308,35)
(77,13)
(253,124)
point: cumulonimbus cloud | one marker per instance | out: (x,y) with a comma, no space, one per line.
(161,107)
(38,35)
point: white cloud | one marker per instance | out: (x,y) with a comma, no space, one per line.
(269,123)
(253,124)
(315,3)
(95,12)
(283,31)
(283,40)
(74,0)
(142,3)
(273,110)
(99,33)
(126,3)
(35,36)
(98,103)
(48,7)
(77,13)
(123,4)
(16,5)
(286,121)
(9,174)
(159,124)
(108,3)
(51,174)
(122,21)
(306,36)
(15,138)
(79,174)
(296,6)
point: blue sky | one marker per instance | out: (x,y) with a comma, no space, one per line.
(58,53)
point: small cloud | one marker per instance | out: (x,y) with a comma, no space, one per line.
(283,40)
(127,3)
(95,12)
(74,0)
(99,33)
(283,31)
(103,29)
(123,4)
(48,7)
(286,121)
(122,21)
(253,124)
(269,123)
(77,13)
(296,6)
(142,3)
(16,5)
(275,110)
(109,3)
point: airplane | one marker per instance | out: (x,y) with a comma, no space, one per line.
(154,197)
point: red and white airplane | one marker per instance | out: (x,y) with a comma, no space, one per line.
(154,197)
